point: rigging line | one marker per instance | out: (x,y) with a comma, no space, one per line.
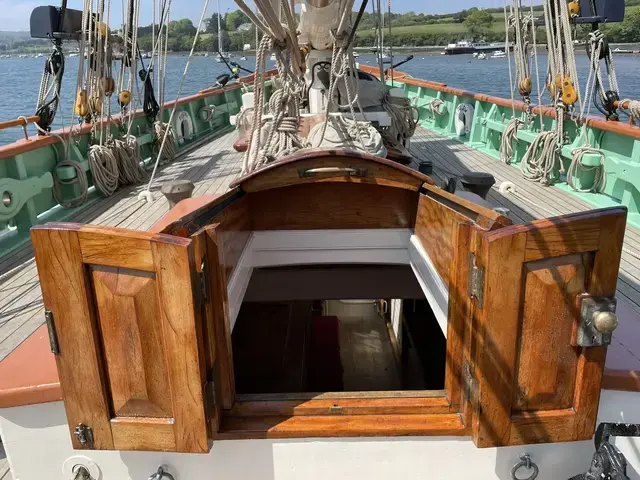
(175,104)
(535,57)
(506,48)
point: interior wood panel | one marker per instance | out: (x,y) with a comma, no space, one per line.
(333,206)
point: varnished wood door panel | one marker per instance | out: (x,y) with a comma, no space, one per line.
(531,384)
(126,315)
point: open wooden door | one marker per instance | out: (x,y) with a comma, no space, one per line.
(125,308)
(536,288)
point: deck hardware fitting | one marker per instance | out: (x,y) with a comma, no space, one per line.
(81,473)
(608,461)
(525,462)
(160,474)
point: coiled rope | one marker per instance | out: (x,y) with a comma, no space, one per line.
(341,132)
(600,178)
(434,106)
(404,119)
(127,153)
(540,160)
(104,169)
(632,107)
(509,136)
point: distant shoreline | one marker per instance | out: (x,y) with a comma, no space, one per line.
(427,50)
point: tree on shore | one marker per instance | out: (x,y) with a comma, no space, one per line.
(478,22)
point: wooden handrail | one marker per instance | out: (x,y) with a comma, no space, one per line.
(19,122)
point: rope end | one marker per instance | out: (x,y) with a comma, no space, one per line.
(507,187)
(146,195)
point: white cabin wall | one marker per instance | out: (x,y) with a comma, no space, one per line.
(37,441)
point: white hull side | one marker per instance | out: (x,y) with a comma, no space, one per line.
(37,442)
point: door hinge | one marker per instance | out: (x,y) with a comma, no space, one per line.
(476,280)
(210,398)
(469,383)
(51,328)
(84,435)
(204,284)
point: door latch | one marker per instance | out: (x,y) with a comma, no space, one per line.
(597,321)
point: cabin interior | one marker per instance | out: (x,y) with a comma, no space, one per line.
(302,341)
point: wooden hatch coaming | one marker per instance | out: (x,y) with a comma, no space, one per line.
(210,241)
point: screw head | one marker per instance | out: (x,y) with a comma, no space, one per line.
(6,198)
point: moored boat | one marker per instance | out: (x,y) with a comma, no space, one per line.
(282,292)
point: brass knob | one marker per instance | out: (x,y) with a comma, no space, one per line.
(605,322)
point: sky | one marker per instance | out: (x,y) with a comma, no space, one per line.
(14,14)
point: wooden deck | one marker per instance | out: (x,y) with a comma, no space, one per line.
(213,166)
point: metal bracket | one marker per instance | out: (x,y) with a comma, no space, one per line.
(476,280)
(589,333)
(84,435)
(53,336)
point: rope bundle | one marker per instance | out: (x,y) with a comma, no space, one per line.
(127,153)
(633,107)
(539,163)
(600,178)
(403,121)
(279,137)
(435,105)
(104,169)
(508,137)
(341,132)
(163,137)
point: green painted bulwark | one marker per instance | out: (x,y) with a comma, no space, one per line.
(622,153)
(26,179)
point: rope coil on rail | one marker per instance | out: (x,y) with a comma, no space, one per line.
(509,136)
(540,161)
(600,178)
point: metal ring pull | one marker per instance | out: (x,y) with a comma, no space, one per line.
(81,473)
(525,461)
(350,171)
(160,474)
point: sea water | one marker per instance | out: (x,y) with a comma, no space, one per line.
(20,79)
